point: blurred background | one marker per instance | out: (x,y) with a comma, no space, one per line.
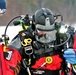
(67,8)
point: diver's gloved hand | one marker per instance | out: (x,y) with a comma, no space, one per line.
(70,55)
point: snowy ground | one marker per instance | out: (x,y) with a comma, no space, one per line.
(11,31)
(74,25)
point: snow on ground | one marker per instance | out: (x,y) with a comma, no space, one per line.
(74,25)
(11,31)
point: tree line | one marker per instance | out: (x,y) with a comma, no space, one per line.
(67,8)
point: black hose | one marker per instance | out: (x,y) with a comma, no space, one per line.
(7,27)
(63,42)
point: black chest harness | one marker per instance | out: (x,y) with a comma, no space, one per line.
(43,50)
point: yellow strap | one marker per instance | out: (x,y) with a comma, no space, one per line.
(4,48)
(29,62)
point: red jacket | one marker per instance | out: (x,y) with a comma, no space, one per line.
(7,66)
